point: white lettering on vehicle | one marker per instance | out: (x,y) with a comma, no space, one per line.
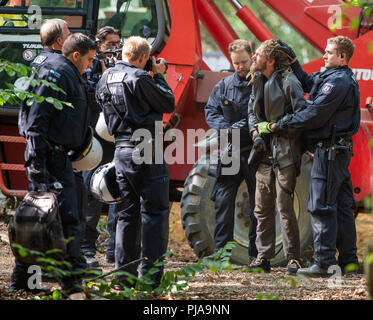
(32,46)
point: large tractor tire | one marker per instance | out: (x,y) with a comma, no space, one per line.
(198,218)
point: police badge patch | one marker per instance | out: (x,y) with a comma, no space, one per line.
(327,88)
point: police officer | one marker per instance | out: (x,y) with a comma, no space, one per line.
(53,33)
(227,109)
(331,118)
(107,38)
(131,99)
(50,134)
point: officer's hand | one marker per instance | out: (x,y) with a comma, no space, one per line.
(259,143)
(264,127)
(286,48)
(158,67)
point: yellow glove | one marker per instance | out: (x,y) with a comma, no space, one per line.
(264,127)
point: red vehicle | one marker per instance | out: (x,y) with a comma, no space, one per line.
(173,29)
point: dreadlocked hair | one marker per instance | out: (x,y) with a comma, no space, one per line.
(270,51)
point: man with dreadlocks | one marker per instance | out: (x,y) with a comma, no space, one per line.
(276,92)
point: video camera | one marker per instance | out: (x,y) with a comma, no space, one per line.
(149,64)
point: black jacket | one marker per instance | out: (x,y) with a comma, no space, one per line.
(334,99)
(131,99)
(42,124)
(227,106)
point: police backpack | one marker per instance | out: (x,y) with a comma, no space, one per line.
(37,226)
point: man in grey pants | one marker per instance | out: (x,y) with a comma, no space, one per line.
(276,92)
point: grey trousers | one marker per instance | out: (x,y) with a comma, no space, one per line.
(275,187)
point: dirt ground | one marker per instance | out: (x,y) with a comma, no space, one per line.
(227,285)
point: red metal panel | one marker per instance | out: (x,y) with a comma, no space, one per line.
(312,19)
(216,24)
(253,23)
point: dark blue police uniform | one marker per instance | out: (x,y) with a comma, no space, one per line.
(93,206)
(50,134)
(131,99)
(44,56)
(334,100)
(227,107)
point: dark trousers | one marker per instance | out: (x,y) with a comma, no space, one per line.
(143,213)
(93,209)
(333,225)
(59,166)
(92,216)
(224,194)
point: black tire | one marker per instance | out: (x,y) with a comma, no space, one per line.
(198,218)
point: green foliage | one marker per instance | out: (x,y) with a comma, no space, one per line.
(13,95)
(172,282)
(261,296)
(292,282)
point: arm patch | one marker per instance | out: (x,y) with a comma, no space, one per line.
(327,88)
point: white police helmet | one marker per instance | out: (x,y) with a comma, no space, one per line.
(103,184)
(89,155)
(101,129)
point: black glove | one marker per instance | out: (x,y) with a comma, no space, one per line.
(286,48)
(259,143)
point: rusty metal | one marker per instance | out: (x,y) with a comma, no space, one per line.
(11,167)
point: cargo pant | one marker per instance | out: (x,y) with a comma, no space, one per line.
(224,194)
(333,225)
(94,208)
(143,213)
(275,187)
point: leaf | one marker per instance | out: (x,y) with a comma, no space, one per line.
(22,252)
(370,259)
(354,24)
(292,282)
(56,295)
(351,267)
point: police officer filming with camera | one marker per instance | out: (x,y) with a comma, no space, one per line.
(330,119)
(132,99)
(51,134)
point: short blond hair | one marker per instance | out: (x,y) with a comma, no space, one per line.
(134,47)
(343,45)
